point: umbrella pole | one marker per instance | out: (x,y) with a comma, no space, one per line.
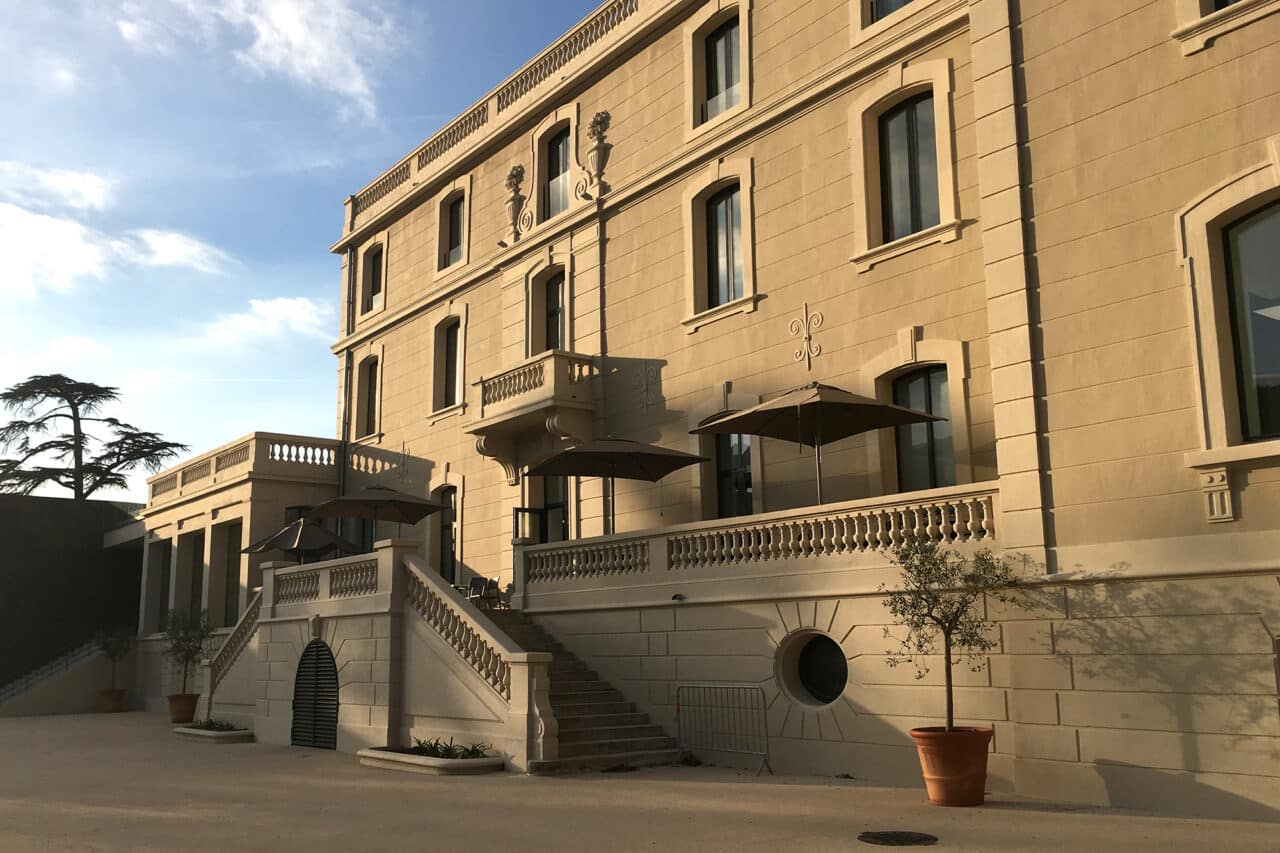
(817,452)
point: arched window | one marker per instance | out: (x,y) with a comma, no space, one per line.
(1252,253)
(926,455)
(371,280)
(723,70)
(367,396)
(452,225)
(884,8)
(908,168)
(448,350)
(724,247)
(447,541)
(556,186)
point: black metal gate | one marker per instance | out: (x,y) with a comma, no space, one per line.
(315,698)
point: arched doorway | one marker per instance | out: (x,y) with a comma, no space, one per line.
(315,698)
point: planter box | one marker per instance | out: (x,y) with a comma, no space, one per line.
(389,760)
(213,737)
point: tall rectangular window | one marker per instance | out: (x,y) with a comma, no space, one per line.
(556,192)
(450,378)
(452,252)
(926,457)
(554,300)
(196,574)
(448,521)
(369,396)
(724,247)
(231,574)
(882,8)
(372,288)
(1253,258)
(555,509)
(733,476)
(723,70)
(908,168)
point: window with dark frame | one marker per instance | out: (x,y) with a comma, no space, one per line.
(884,8)
(553,300)
(555,509)
(452,252)
(369,382)
(723,70)
(926,455)
(733,476)
(724,247)
(555,193)
(373,280)
(1252,252)
(448,545)
(1219,5)
(231,574)
(908,168)
(449,388)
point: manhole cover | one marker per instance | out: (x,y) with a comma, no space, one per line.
(898,839)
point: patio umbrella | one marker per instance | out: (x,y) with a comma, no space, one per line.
(615,457)
(301,538)
(378,503)
(815,415)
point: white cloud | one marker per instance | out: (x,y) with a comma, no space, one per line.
(31,186)
(173,249)
(270,320)
(332,45)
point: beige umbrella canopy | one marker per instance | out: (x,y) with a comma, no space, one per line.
(815,415)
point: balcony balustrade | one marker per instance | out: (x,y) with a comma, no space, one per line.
(261,454)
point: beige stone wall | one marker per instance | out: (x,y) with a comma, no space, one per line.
(1155,694)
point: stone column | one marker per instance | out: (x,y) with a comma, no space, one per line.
(532,731)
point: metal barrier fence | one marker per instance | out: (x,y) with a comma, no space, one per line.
(724,718)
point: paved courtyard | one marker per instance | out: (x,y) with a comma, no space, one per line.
(125,783)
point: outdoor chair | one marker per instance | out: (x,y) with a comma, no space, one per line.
(475,589)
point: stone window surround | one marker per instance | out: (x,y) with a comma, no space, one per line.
(554,258)
(910,17)
(895,85)
(447,312)
(703,184)
(704,480)
(446,477)
(371,352)
(1199,230)
(912,351)
(462,185)
(380,239)
(700,25)
(1199,25)
(579,178)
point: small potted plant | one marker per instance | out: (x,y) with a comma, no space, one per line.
(115,645)
(936,603)
(185,640)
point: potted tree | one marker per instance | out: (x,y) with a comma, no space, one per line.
(115,645)
(939,602)
(185,639)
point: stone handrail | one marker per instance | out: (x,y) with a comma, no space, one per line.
(558,368)
(260,454)
(955,515)
(297,587)
(513,383)
(591,40)
(483,646)
(226,657)
(354,579)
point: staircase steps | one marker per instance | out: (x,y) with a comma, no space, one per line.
(599,728)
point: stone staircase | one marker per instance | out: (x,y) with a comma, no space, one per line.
(599,728)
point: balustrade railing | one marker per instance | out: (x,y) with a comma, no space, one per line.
(356,579)
(260,453)
(553,374)
(297,587)
(468,637)
(513,383)
(226,657)
(957,516)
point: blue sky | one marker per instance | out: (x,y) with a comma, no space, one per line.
(172,173)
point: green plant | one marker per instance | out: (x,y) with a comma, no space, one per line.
(212,724)
(437,748)
(185,640)
(937,599)
(115,644)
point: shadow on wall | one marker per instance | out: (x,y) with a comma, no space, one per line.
(1175,691)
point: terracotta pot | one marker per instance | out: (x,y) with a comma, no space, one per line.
(182,707)
(954,763)
(112,699)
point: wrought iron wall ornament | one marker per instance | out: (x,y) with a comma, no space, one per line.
(645,381)
(805,325)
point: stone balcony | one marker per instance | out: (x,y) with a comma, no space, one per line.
(533,405)
(829,550)
(259,455)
